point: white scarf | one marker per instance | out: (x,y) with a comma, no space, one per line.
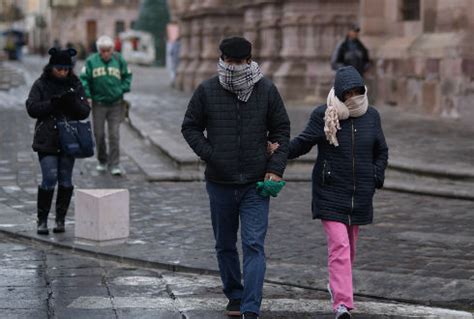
(336,111)
(239,79)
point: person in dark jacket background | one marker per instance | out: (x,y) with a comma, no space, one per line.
(241,111)
(351,162)
(57,94)
(351,51)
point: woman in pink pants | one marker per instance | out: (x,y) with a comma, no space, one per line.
(352,157)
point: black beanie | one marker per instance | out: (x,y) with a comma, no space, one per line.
(61,58)
(236,48)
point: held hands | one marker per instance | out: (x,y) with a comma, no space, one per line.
(272,147)
(272,177)
(272,185)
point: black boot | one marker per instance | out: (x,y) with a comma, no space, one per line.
(62,205)
(43,204)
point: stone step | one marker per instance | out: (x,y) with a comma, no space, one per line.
(402,175)
(164,165)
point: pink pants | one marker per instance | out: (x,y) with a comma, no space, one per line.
(341,255)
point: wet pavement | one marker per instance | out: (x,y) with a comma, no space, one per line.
(44,282)
(419,250)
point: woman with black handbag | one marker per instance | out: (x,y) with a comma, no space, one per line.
(57,95)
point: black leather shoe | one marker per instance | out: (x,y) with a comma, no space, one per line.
(233,308)
(59,227)
(42,228)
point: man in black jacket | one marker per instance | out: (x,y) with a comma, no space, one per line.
(351,51)
(241,111)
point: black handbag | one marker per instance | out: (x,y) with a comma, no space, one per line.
(75,138)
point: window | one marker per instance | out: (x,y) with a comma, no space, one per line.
(119,26)
(410,10)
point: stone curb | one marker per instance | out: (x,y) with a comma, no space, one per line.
(428,190)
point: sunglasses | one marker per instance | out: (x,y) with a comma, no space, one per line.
(105,50)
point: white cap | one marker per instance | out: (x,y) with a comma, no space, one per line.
(104,41)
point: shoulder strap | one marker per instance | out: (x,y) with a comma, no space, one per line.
(117,56)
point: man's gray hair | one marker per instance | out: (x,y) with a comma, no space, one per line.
(104,42)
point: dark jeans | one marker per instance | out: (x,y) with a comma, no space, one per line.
(228,203)
(56,169)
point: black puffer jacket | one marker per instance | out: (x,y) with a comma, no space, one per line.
(351,52)
(39,106)
(237,132)
(345,177)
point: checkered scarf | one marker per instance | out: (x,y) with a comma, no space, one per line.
(239,79)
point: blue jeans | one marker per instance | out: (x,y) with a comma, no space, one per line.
(56,169)
(228,203)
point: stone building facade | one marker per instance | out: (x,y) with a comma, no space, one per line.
(421,50)
(82,21)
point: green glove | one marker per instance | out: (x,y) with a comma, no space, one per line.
(269,188)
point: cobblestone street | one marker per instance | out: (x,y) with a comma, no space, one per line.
(418,251)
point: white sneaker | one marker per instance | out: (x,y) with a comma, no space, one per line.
(101,167)
(116,171)
(342,312)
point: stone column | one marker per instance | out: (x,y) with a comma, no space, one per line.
(184,56)
(270,37)
(309,36)
(193,54)
(454,92)
(203,25)
(220,18)
(252,16)
(178,10)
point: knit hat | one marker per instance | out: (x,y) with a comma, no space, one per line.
(346,79)
(236,48)
(61,58)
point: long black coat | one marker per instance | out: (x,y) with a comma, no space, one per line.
(39,106)
(345,177)
(237,132)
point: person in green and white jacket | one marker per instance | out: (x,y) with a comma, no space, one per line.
(106,78)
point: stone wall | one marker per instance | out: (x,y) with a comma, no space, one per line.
(292,40)
(425,65)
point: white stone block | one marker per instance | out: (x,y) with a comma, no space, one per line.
(102,216)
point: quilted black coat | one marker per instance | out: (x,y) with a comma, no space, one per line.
(345,177)
(237,132)
(40,107)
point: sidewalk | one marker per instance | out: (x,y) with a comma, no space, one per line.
(419,250)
